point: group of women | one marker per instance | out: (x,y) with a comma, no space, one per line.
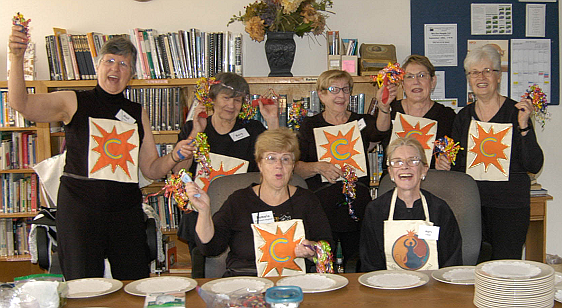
(505,204)
(90,212)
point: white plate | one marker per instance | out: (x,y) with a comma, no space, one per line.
(91,287)
(161,284)
(558,296)
(231,284)
(458,275)
(315,283)
(423,279)
(521,270)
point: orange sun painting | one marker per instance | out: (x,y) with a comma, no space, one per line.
(114,150)
(489,148)
(215,174)
(279,249)
(340,149)
(421,134)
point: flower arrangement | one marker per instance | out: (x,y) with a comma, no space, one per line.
(299,16)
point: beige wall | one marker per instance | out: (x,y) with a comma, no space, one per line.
(373,21)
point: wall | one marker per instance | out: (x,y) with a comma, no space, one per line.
(373,21)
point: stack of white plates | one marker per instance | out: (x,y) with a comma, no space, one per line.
(513,283)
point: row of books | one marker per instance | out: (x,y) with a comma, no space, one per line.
(17,150)
(19,193)
(10,117)
(13,237)
(167,211)
(182,54)
(163,105)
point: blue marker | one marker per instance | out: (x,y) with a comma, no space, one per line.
(187,179)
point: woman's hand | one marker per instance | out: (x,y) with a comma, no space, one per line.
(329,171)
(525,107)
(203,202)
(199,123)
(183,150)
(18,41)
(442,162)
(270,113)
(304,250)
(392,92)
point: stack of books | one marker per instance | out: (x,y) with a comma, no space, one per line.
(538,191)
(183,54)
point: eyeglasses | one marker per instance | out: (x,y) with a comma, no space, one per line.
(487,72)
(397,162)
(420,76)
(110,62)
(285,159)
(336,90)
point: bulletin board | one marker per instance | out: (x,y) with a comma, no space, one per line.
(459,12)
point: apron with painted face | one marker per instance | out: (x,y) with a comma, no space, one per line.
(403,249)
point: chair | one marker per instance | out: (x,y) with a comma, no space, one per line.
(460,191)
(219,190)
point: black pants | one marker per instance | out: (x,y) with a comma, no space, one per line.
(86,236)
(505,230)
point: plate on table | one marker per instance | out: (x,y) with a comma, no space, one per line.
(315,283)
(91,287)
(455,275)
(231,284)
(162,284)
(393,279)
(558,296)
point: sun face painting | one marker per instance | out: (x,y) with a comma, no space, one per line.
(275,248)
(422,129)
(341,145)
(114,147)
(489,151)
(221,165)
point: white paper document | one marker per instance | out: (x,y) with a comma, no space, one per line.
(440,42)
(530,64)
(491,19)
(535,20)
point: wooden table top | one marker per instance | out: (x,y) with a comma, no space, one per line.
(434,294)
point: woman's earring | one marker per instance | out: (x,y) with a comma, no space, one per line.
(392,179)
(423,177)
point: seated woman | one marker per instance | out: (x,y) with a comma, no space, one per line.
(391,235)
(276,152)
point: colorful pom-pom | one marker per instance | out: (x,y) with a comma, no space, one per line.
(540,104)
(18,19)
(202,89)
(201,154)
(296,115)
(323,257)
(448,147)
(349,181)
(390,74)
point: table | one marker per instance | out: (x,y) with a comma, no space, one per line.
(535,245)
(432,295)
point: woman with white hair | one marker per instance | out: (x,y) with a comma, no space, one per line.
(500,126)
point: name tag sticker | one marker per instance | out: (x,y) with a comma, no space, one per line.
(361,124)
(239,134)
(428,233)
(125,117)
(263,217)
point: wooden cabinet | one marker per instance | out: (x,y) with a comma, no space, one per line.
(535,245)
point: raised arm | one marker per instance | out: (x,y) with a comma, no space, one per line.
(49,107)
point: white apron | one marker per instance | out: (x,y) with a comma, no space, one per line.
(402,247)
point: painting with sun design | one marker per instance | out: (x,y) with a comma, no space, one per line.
(424,130)
(488,154)
(114,151)
(221,165)
(274,246)
(341,145)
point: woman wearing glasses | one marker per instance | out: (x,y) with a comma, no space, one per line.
(395,223)
(419,82)
(227,135)
(272,200)
(334,89)
(505,200)
(108,140)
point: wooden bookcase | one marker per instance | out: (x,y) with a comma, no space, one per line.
(47,143)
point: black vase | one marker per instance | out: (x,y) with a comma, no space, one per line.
(280,50)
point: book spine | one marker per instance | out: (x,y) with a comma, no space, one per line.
(67,63)
(181,55)
(171,68)
(50,56)
(134,40)
(148,51)
(163,56)
(33,192)
(238,54)
(79,57)
(73,57)
(88,57)
(187,50)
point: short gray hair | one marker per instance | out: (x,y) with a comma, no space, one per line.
(486,52)
(409,142)
(123,47)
